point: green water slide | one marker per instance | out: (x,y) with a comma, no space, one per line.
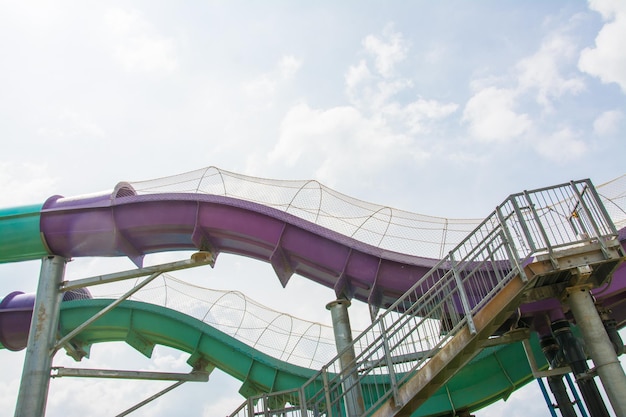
(498,370)
(20,236)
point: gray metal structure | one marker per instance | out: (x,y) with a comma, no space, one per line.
(542,243)
(343,340)
(43,343)
(33,393)
(533,246)
(599,346)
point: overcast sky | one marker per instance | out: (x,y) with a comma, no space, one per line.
(441,108)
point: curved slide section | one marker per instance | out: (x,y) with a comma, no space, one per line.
(134,225)
(126,224)
(145,325)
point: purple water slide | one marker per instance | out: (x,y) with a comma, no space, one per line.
(134,225)
(127,224)
(16,311)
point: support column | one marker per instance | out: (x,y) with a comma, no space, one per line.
(343,341)
(599,345)
(551,351)
(33,393)
(575,356)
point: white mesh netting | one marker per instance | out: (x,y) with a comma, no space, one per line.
(613,195)
(381,226)
(279,334)
(377,225)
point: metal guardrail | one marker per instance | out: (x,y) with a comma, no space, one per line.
(420,323)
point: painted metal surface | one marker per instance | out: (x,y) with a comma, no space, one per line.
(498,368)
(20,238)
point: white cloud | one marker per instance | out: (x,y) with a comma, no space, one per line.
(70,124)
(542,71)
(419,116)
(388,51)
(562,146)
(607,60)
(264,86)
(436,53)
(166,360)
(135,44)
(378,95)
(217,407)
(608,122)
(491,115)
(28,183)
(321,141)
(431,109)
(608,8)
(356,75)
(378,129)
(289,66)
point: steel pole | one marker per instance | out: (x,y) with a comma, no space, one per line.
(343,341)
(599,346)
(33,393)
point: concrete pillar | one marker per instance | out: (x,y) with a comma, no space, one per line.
(33,393)
(353,399)
(599,346)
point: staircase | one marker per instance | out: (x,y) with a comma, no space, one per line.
(535,240)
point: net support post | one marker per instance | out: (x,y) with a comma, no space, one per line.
(353,397)
(33,392)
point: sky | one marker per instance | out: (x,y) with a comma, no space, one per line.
(440,108)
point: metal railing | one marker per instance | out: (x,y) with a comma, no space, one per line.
(420,323)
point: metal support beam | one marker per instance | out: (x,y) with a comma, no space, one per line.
(343,341)
(60,371)
(150,399)
(599,345)
(197,259)
(105,310)
(33,393)
(42,343)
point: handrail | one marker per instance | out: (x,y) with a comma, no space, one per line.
(440,304)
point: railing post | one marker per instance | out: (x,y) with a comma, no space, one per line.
(605,214)
(388,361)
(33,393)
(250,407)
(542,230)
(464,300)
(329,411)
(521,221)
(302,401)
(509,246)
(590,216)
